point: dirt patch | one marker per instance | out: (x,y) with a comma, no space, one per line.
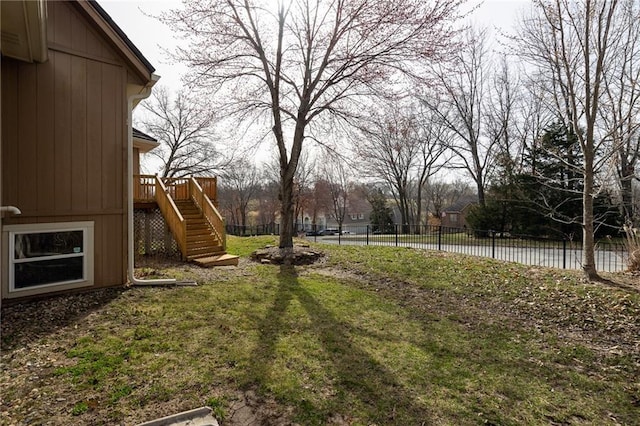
(26,322)
(299,254)
(250,409)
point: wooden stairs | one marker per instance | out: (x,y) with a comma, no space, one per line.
(203,247)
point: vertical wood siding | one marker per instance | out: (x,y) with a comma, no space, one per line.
(79,149)
(63,136)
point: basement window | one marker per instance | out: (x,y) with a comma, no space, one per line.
(57,255)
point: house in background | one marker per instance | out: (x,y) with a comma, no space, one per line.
(70,79)
(356,217)
(455,215)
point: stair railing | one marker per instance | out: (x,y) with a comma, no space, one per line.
(209,211)
(209,186)
(174,219)
(177,188)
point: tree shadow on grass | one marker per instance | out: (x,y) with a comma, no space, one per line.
(360,382)
(272,324)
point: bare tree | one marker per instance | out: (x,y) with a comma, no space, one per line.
(389,147)
(182,125)
(533,115)
(239,184)
(268,204)
(441,194)
(433,140)
(575,44)
(460,103)
(306,60)
(621,109)
(499,118)
(303,186)
(336,176)
(437,197)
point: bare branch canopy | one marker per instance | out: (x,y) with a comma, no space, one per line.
(296,62)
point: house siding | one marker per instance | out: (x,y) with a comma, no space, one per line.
(136,161)
(461,218)
(64,138)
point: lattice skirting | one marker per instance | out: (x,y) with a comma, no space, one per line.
(151,235)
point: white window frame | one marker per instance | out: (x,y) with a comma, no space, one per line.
(87,229)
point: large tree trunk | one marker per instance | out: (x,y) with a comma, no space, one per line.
(418,221)
(243,217)
(404,213)
(287,177)
(287,205)
(480,189)
(588,238)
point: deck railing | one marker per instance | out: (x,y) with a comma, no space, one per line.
(172,215)
(208,211)
(144,188)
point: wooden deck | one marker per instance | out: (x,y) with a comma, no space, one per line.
(189,207)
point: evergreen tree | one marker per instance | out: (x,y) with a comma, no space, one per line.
(545,199)
(550,189)
(381,216)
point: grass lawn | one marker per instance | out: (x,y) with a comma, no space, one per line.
(371,335)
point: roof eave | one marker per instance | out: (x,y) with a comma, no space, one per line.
(144,145)
(118,38)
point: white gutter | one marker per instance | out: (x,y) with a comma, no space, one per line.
(146,92)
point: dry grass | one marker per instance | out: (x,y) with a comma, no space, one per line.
(632,244)
(369,336)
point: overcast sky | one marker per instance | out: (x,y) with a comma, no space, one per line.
(151,36)
(154,38)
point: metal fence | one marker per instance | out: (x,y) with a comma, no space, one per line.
(611,256)
(253,230)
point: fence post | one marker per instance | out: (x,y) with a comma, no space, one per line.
(396,229)
(493,244)
(439,237)
(564,253)
(367,234)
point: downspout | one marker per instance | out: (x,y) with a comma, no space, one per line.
(146,92)
(10,209)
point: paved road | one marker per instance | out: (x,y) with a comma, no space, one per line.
(606,261)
